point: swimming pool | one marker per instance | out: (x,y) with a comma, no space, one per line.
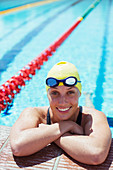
(25,34)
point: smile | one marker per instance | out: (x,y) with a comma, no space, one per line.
(63,110)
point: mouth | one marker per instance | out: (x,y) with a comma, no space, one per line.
(63,109)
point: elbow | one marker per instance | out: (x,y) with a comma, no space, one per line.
(16,152)
(16,148)
(98,158)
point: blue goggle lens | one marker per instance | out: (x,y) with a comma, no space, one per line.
(69,81)
(51,82)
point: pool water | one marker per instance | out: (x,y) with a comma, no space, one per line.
(25,34)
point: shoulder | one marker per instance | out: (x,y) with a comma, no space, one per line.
(91,112)
(31,117)
(37,112)
(94,121)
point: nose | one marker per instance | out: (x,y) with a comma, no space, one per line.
(63,100)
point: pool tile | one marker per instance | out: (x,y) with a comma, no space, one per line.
(4,133)
(51,158)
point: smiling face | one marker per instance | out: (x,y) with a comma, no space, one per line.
(63,102)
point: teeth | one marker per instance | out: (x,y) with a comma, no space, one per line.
(63,109)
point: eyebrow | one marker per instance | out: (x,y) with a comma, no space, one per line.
(70,87)
(53,87)
(57,88)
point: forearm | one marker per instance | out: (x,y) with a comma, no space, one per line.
(83,148)
(73,146)
(32,140)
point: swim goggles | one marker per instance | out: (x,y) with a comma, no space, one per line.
(69,81)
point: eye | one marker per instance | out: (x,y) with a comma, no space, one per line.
(54,93)
(71,92)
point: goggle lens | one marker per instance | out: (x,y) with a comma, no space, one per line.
(51,82)
(69,81)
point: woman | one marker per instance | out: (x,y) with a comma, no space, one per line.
(81,132)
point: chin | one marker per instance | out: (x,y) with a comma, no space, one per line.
(63,117)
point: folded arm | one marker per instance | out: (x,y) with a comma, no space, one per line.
(91,148)
(26,138)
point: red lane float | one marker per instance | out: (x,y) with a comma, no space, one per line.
(11,87)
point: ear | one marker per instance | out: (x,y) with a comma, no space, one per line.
(48,95)
(79,94)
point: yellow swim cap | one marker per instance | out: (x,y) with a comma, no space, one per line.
(63,70)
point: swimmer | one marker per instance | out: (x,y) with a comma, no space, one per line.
(82,132)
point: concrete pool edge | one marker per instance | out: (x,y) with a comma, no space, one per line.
(51,157)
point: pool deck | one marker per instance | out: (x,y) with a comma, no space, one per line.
(51,157)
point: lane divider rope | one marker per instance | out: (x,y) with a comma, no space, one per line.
(13,86)
(23,7)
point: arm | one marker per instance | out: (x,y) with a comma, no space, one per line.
(93,147)
(26,138)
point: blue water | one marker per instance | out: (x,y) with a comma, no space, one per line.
(8,4)
(25,34)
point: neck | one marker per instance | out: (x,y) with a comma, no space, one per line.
(75,115)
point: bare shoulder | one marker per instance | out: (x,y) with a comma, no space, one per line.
(36,112)
(31,117)
(94,121)
(91,113)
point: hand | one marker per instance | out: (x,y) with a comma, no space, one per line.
(66,126)
(42,125)
(70,126)
(76,129)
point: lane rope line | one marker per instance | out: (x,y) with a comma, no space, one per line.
(26,6)
(13,86)
(4,144)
